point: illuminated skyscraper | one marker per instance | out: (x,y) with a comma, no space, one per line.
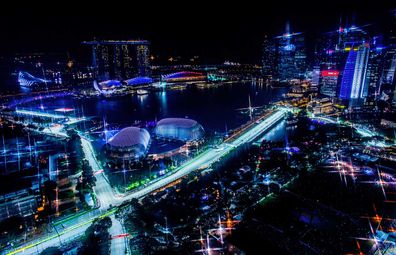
(120,60)
(329,82)
(291,55)
(284,56)
(388,75)
(335,52)
(390,58)
(269,58)
(374,71)
(315,78)
(143,60)
(353,84)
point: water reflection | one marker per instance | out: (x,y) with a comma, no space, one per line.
(164,102)
(277,133)
(212,107)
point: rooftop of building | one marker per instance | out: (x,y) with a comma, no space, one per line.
(178,122)
(130,136)
(117,42)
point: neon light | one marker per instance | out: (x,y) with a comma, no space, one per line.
(64,109)
(26,79)
(359,88)
(347,78)
(331,73)
(183,74)
(110,83)
(139,81)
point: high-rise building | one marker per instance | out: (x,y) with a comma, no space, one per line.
(284,56)
(269,58)
(374,71)
(143,60)
(291,56)
(329,82)
(390,61)
(359,85)
(388,74)
(300,56)
(344,52)
(286,64)
(120,60)
(353,84)
(315,78)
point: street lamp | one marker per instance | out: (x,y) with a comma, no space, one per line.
(166,229)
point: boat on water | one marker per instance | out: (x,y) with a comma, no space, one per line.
(142,92)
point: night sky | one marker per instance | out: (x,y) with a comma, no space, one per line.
(233,31)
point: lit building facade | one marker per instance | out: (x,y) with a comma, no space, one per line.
(359,85)
(120,59)
(269,57)
(291,56)
(340,53)
(130,143)
(184,76)
(284,57)
(353,84)
(388,74)
(179,129)
(374,71)
(329,82)
(315,76)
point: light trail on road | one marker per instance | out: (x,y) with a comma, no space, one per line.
(107,197)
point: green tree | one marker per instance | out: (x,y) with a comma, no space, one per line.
(51,251)
(97,238)
(87,180)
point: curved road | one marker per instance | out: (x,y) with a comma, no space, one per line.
(75,227)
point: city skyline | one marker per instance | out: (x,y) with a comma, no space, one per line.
(215,34)
(198,128)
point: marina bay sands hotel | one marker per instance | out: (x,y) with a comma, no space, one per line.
(120,60)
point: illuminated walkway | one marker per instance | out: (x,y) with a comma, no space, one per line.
(76,226)
(41,114)
(360,129)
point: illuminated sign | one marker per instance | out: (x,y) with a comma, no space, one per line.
(332,73)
